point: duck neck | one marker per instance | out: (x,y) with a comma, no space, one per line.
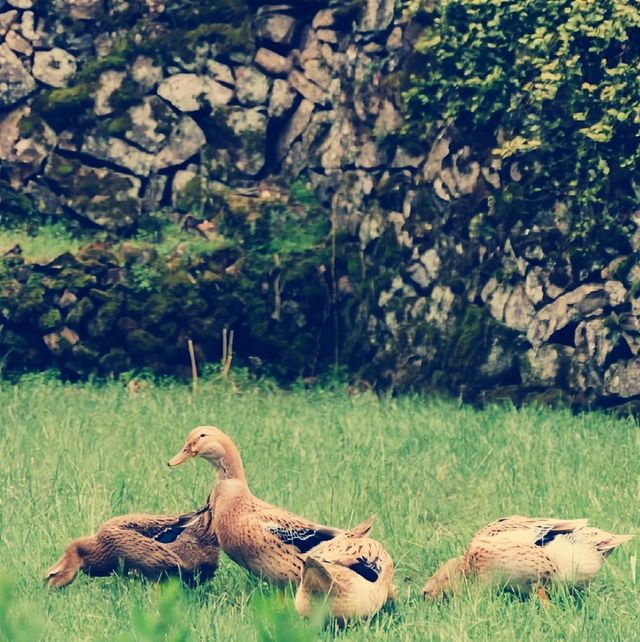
(230,466)
(231,485)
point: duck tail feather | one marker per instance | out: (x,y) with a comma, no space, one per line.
(362,529)
(315,577)
(612,542)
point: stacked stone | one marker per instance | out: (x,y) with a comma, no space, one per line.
(433,292)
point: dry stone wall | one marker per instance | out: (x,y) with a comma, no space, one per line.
(264,123)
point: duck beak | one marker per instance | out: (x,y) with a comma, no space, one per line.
(181,457)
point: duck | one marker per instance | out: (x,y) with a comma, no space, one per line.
(353,575)
(520,552)
(154,545)
(266,540)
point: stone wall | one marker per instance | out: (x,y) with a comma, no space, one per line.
(235,115)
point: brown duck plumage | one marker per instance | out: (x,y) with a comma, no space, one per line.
(527,552)
(155,545)
(353,574)
(264,539)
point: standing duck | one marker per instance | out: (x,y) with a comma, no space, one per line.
(526,552)
(155,545)
(266,540)
(353,574)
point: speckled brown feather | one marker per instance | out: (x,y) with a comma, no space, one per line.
(265,539)
(244,527)
(354,574)
(523,552)
(134,542)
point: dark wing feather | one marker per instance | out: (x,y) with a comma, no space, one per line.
(172,532)
(549,536)
(368,569)
(303,538)
(550,529)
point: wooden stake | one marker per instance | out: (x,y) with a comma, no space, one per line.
(194,369)
(224,347)
(227,352)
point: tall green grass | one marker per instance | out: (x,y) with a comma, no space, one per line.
(432,471)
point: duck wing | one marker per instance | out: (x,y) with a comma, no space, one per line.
(161,528)
(368,569)
(301,535)
(171,532)
(547,530)
(603,541)
(305,535)
(541,530)
(363,556)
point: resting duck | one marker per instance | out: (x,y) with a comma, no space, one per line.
(353,574)
(525,552)
(155,545)
(266,540)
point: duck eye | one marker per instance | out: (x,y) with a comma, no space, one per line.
(203,435)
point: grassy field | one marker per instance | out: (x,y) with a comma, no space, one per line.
(432,470)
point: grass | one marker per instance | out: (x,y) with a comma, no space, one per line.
(432,470)
(49,241)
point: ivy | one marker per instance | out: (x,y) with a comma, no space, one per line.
(549,85)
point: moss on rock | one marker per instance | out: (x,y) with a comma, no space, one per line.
(115,361)
(17,207)
(50,319)
(473,338)
(79,312)
(103,321)
(62,107)
(190,197)
(143,343)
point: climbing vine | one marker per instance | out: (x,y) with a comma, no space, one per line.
(550,87)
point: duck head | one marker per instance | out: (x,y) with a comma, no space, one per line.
(445,579)
(216,447)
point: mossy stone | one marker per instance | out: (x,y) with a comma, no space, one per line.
(50,319)
(118,125)
(199,12)
(30,125)
(10,289)
(98,295)
(58,106)
(14,345)
(16,206)
(75,279)
(115,361)
(176,280)
(141,343)
(62,169)
(346,13)
(190,196)
(32,297)
(194,304)
(85,358)
(156,308)
(126,95)
(127,324)
(103,321)
(79,312)
(473,337)
(168,330)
